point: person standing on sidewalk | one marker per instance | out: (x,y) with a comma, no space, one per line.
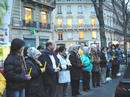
(115,63)
(87,68)
(103,64)
(109,65)
(40,48)
(75,70)
(34,87)
(119,58)
(64,74)
(49,58)
(96,67)
(15,70)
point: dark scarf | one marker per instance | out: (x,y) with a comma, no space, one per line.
(50,52)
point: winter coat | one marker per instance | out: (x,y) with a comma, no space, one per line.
(109,64)
(86,62)
(15,78)
(114,55)
(2,84)
(119,55)
(96,62)
(50,76)
(75,69)
(103,61)
(35,85)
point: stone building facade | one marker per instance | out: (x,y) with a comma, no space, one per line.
(31,21)
(75,22)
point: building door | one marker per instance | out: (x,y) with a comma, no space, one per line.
(30,42)
(58,45)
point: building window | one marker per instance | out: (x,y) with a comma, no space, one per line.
(28,15)
(42,42)
(60,36)
(69,0)
(94,34)
(44,17)
(79,0)
(80,9)
(70,36)
(92,9)
(80,22)
(59,9)
(69,9)
(93,21)
(59,22)
(30,42)
(69,22)
(81,35)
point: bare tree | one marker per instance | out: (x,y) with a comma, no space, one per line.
(98,5)
(121,10)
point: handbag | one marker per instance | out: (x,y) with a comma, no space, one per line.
(64,76)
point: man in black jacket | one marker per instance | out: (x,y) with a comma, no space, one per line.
(15,70)
(50,76)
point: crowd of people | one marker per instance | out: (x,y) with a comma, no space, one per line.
(31,72)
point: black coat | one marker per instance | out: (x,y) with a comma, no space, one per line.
(13,73)
(50,76)
(35,85)
(103,61)
(114,60)
(75,69)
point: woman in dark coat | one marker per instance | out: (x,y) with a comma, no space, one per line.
(15,70)
(35,85)
(115,63)
(75,70)
(96,67)
(103,64)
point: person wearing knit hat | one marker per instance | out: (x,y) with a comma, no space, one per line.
(15,70)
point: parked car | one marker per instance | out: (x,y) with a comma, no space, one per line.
(123,89)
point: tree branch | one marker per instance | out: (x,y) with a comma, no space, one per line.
(115,11)
(127,2)
(96,7)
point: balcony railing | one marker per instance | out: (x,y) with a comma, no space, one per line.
(51,3)
(36,25)
(75,26)
(72,1)
(87,26)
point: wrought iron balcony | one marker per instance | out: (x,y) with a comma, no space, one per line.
(85,26)
(50,3)
(36,25)
(72,1)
